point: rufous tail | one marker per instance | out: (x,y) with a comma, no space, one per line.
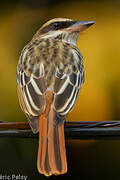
(51,151)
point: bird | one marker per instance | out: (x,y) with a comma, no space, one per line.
(50,73)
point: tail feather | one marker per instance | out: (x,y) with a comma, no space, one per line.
(44,142)
(51,152)
(51,144)
(62,148)
(42,160)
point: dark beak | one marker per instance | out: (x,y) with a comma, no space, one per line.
(80,26)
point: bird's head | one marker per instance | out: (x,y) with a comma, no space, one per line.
(63,29)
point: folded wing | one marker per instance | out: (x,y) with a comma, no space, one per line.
(67,86)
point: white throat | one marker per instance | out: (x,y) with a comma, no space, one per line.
(70,38)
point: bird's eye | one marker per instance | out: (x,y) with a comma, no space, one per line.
(56,25)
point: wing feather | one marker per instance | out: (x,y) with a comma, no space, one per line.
(67,86)
(31,93)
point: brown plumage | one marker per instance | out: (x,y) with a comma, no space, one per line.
(50,73)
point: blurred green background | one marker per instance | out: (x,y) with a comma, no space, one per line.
(100,95)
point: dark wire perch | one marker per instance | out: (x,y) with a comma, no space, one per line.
(73,130)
